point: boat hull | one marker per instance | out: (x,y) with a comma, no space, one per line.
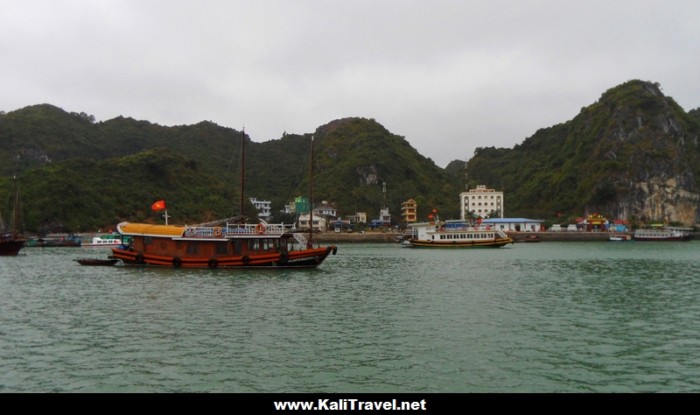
(96,262)
(663,239)
(11,247)
(308,258)
(670,234)
(498,243)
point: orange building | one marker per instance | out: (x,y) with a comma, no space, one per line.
(409,211)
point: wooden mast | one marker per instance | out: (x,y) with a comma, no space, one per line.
(311,195)
(16,219)
(242,174)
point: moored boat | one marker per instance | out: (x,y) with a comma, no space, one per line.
(663,233)
(70,241)
(104,240)
(10,244)
(11,240)
(454,234)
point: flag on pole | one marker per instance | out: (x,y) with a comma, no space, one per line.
(159,205)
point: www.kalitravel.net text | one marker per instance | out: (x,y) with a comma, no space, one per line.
(350,405)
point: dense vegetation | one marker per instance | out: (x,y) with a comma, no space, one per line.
(592,163)
(79,175)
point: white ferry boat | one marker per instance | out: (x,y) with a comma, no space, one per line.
(663,233)
(104,240)
(454,234)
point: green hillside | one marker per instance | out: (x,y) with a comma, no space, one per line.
(626,156)
(633,154)
(76,174)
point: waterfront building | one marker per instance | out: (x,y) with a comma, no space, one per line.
(320,223)
(515,224)
(264,207)
(409,210)
(481,202)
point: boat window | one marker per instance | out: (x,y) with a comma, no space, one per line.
(193,248)
(221,248)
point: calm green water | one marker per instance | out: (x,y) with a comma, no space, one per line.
(547,317)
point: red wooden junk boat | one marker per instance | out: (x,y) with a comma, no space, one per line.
(229,243)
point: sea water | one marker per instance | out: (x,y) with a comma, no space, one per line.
(543,317)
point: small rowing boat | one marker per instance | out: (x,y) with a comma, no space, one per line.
(96,261)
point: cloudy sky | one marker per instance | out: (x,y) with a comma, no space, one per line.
(448,75)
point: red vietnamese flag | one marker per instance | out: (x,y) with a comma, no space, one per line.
(159,205)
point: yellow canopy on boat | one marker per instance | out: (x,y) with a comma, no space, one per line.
(147,229)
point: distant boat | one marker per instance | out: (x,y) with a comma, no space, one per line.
(104,241)
(620,237)
(663,233)
(11,240)
(70,241)
(453,234)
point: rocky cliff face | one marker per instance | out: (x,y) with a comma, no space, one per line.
(656,144)
(634,154)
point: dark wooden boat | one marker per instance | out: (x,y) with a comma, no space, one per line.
(96,261)
(11,240)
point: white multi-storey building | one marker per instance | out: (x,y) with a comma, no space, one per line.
(481,202)
(264,207)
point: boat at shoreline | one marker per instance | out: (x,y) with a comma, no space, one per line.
(663,233)
(454,234)
(104,241)
(11,240)
(70,241)
(620,237)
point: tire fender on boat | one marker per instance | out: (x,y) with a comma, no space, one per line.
(213,263)
(246,259)
(139,259)
(177,262)
(284,257)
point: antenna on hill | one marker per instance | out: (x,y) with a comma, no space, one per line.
(466,176)
(384,191)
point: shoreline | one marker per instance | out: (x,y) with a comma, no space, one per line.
(561,236)
(393,237)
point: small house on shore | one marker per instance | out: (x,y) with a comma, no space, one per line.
(515,224)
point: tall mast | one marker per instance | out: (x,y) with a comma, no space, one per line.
(311,195)
(15,226)
(242,173)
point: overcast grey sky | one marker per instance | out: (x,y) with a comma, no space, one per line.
(449,76)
